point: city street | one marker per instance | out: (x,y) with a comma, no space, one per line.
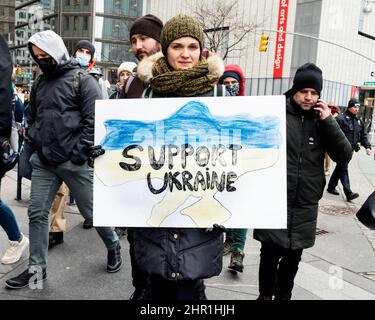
(341,265)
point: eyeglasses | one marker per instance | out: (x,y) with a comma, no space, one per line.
(357,105)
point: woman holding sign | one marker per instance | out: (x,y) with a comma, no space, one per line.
(177,259)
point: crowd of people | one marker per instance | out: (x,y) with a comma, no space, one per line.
(173,62)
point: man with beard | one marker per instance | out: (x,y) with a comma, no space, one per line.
(145,41)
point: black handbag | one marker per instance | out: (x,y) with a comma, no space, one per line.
(366,214)
(25,168)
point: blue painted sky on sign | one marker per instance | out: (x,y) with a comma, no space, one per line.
(193,123)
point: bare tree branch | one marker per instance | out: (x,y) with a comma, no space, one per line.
(223,29)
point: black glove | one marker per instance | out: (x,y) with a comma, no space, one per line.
(217,228)
(357,147)
(94,152)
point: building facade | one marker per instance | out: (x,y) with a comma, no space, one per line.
(337,35)
(7,8)
(104,23)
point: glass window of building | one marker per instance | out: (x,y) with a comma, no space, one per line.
(112,53)
(132,8)
(112,29)
(76,6)
(76,26)
(112,76)
(85,23)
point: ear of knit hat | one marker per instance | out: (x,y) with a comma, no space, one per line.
(85,44)
(307,76)
(126,66)
(148,25)
(178,27)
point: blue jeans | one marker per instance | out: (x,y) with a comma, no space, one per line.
(8,222)
(45,182)
(340,173)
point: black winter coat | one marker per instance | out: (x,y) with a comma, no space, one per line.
(179,253)
(135,89)
(61,118)
(308,139)
(354,129)
(6,68)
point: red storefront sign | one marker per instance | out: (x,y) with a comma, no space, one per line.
(280,39)
(355,92)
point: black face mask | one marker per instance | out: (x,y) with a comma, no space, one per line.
(47,65)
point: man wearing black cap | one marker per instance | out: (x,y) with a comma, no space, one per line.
(354,130)
(84,52)
(311,131)
(144,36)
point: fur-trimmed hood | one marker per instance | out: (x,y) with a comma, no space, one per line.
(144,68)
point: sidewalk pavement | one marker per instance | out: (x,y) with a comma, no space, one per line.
(341,265)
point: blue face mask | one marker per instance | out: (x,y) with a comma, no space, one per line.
(83,60)
(233,89)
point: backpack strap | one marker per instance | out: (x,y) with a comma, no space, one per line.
(128,83)
(78,76)
(147,93)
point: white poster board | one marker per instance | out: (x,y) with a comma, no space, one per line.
(191,162)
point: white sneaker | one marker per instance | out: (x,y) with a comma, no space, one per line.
(15,250)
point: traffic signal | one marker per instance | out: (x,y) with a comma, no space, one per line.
(263,43)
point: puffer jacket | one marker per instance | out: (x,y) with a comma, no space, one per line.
(5,90)
(308,138)
(178,253)
(61,119)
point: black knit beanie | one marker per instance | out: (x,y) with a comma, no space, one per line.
(307,76)
(148,25)
(85,44)
(178,27)
(228,74)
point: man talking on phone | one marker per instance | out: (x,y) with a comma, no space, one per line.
(311,131)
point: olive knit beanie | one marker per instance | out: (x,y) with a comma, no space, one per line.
(178,27)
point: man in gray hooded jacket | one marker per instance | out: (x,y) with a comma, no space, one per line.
(61,130)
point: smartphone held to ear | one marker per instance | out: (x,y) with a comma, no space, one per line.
(316,112)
